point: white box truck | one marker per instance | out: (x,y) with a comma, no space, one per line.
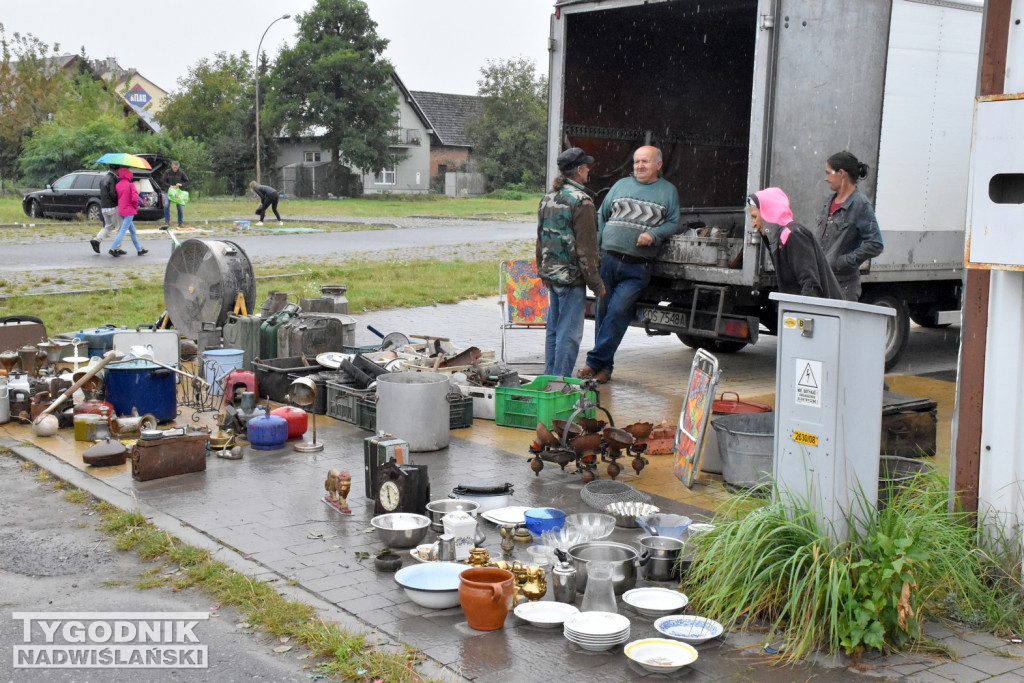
(745,94)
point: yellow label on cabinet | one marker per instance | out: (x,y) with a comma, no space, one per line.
(789,322)
(805,438)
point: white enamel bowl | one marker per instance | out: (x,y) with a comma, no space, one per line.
(432,584)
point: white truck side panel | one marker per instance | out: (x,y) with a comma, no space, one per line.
(924,153)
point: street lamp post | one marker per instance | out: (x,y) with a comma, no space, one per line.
(258,49)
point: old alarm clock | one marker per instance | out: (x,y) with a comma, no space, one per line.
(401,488)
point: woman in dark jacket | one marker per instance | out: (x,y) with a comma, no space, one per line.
(847,228)
(800,265)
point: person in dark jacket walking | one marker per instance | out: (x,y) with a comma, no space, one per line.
(108,207)
(567,259)
(268,199)
(174,177)
(800,264)
(847,227)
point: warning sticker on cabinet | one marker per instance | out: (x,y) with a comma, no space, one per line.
(808,383)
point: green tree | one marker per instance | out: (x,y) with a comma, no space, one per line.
(30,90)
(214,106)
(336,78)
(510,134)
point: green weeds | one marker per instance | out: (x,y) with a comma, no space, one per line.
(777,566)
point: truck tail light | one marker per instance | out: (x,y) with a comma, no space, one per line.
(736,328)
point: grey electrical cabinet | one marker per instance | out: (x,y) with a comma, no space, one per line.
(829,375)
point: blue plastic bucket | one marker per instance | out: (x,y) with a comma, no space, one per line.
(217,363)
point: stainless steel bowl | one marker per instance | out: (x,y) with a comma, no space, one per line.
(401,529)
(437,509)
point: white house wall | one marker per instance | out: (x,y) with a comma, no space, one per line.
(412,174)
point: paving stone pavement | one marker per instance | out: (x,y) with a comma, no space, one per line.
(266,512)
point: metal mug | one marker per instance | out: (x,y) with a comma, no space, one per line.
(446,548)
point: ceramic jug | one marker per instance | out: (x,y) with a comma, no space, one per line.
(485,594)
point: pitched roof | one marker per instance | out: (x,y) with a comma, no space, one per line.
(449,114)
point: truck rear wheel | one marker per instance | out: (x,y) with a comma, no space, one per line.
(712,345)
(897,330)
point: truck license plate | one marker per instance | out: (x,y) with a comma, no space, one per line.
(661,316)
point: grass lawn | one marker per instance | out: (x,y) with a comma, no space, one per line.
(227,208)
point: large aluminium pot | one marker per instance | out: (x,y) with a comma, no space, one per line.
(144,386)
(624,560)
(414,406)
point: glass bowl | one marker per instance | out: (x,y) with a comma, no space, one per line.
(564,538)
(594,525)
(539,520)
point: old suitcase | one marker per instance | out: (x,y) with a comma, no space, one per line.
(909,426)
(14,335)
(98,339)
(165,345)
(168,456)
(243,332)
(310,334)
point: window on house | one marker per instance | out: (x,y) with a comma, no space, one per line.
(385,177)
(310,156)
(442,169)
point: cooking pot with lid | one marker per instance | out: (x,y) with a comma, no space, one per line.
(490,495)
(624,560)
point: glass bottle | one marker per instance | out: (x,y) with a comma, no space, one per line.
(599,595)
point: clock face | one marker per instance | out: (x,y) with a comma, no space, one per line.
(389,496)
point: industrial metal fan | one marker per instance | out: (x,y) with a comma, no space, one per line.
(204,279)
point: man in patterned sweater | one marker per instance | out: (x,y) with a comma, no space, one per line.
(567,259)
(637,216)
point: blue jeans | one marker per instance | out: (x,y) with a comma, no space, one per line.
(564,328)
(623,283)
(167,210)
(127,225)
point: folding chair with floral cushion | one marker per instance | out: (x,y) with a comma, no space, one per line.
(523,299)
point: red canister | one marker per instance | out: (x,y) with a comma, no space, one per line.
(297,419)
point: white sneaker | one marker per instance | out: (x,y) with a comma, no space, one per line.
(259,222)
(280,222)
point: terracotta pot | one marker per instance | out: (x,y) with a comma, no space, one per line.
(485,594)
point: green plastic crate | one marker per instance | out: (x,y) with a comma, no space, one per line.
(525,406)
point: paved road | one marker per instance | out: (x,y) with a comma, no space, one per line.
(455,233)
(52,559)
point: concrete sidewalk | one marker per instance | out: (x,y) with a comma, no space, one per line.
(265,515)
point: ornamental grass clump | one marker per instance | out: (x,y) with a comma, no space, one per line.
(778,567)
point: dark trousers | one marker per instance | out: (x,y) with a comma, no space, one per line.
(269,202)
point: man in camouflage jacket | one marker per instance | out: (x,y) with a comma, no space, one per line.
(567,259)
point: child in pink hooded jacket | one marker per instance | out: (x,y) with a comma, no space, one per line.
(127,207)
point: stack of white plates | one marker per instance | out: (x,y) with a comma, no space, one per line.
(597,631)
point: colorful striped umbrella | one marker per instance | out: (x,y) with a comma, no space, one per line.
(122,159)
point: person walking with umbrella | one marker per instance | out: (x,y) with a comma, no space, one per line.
(127,207)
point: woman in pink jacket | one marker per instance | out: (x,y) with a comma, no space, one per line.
(127,207)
